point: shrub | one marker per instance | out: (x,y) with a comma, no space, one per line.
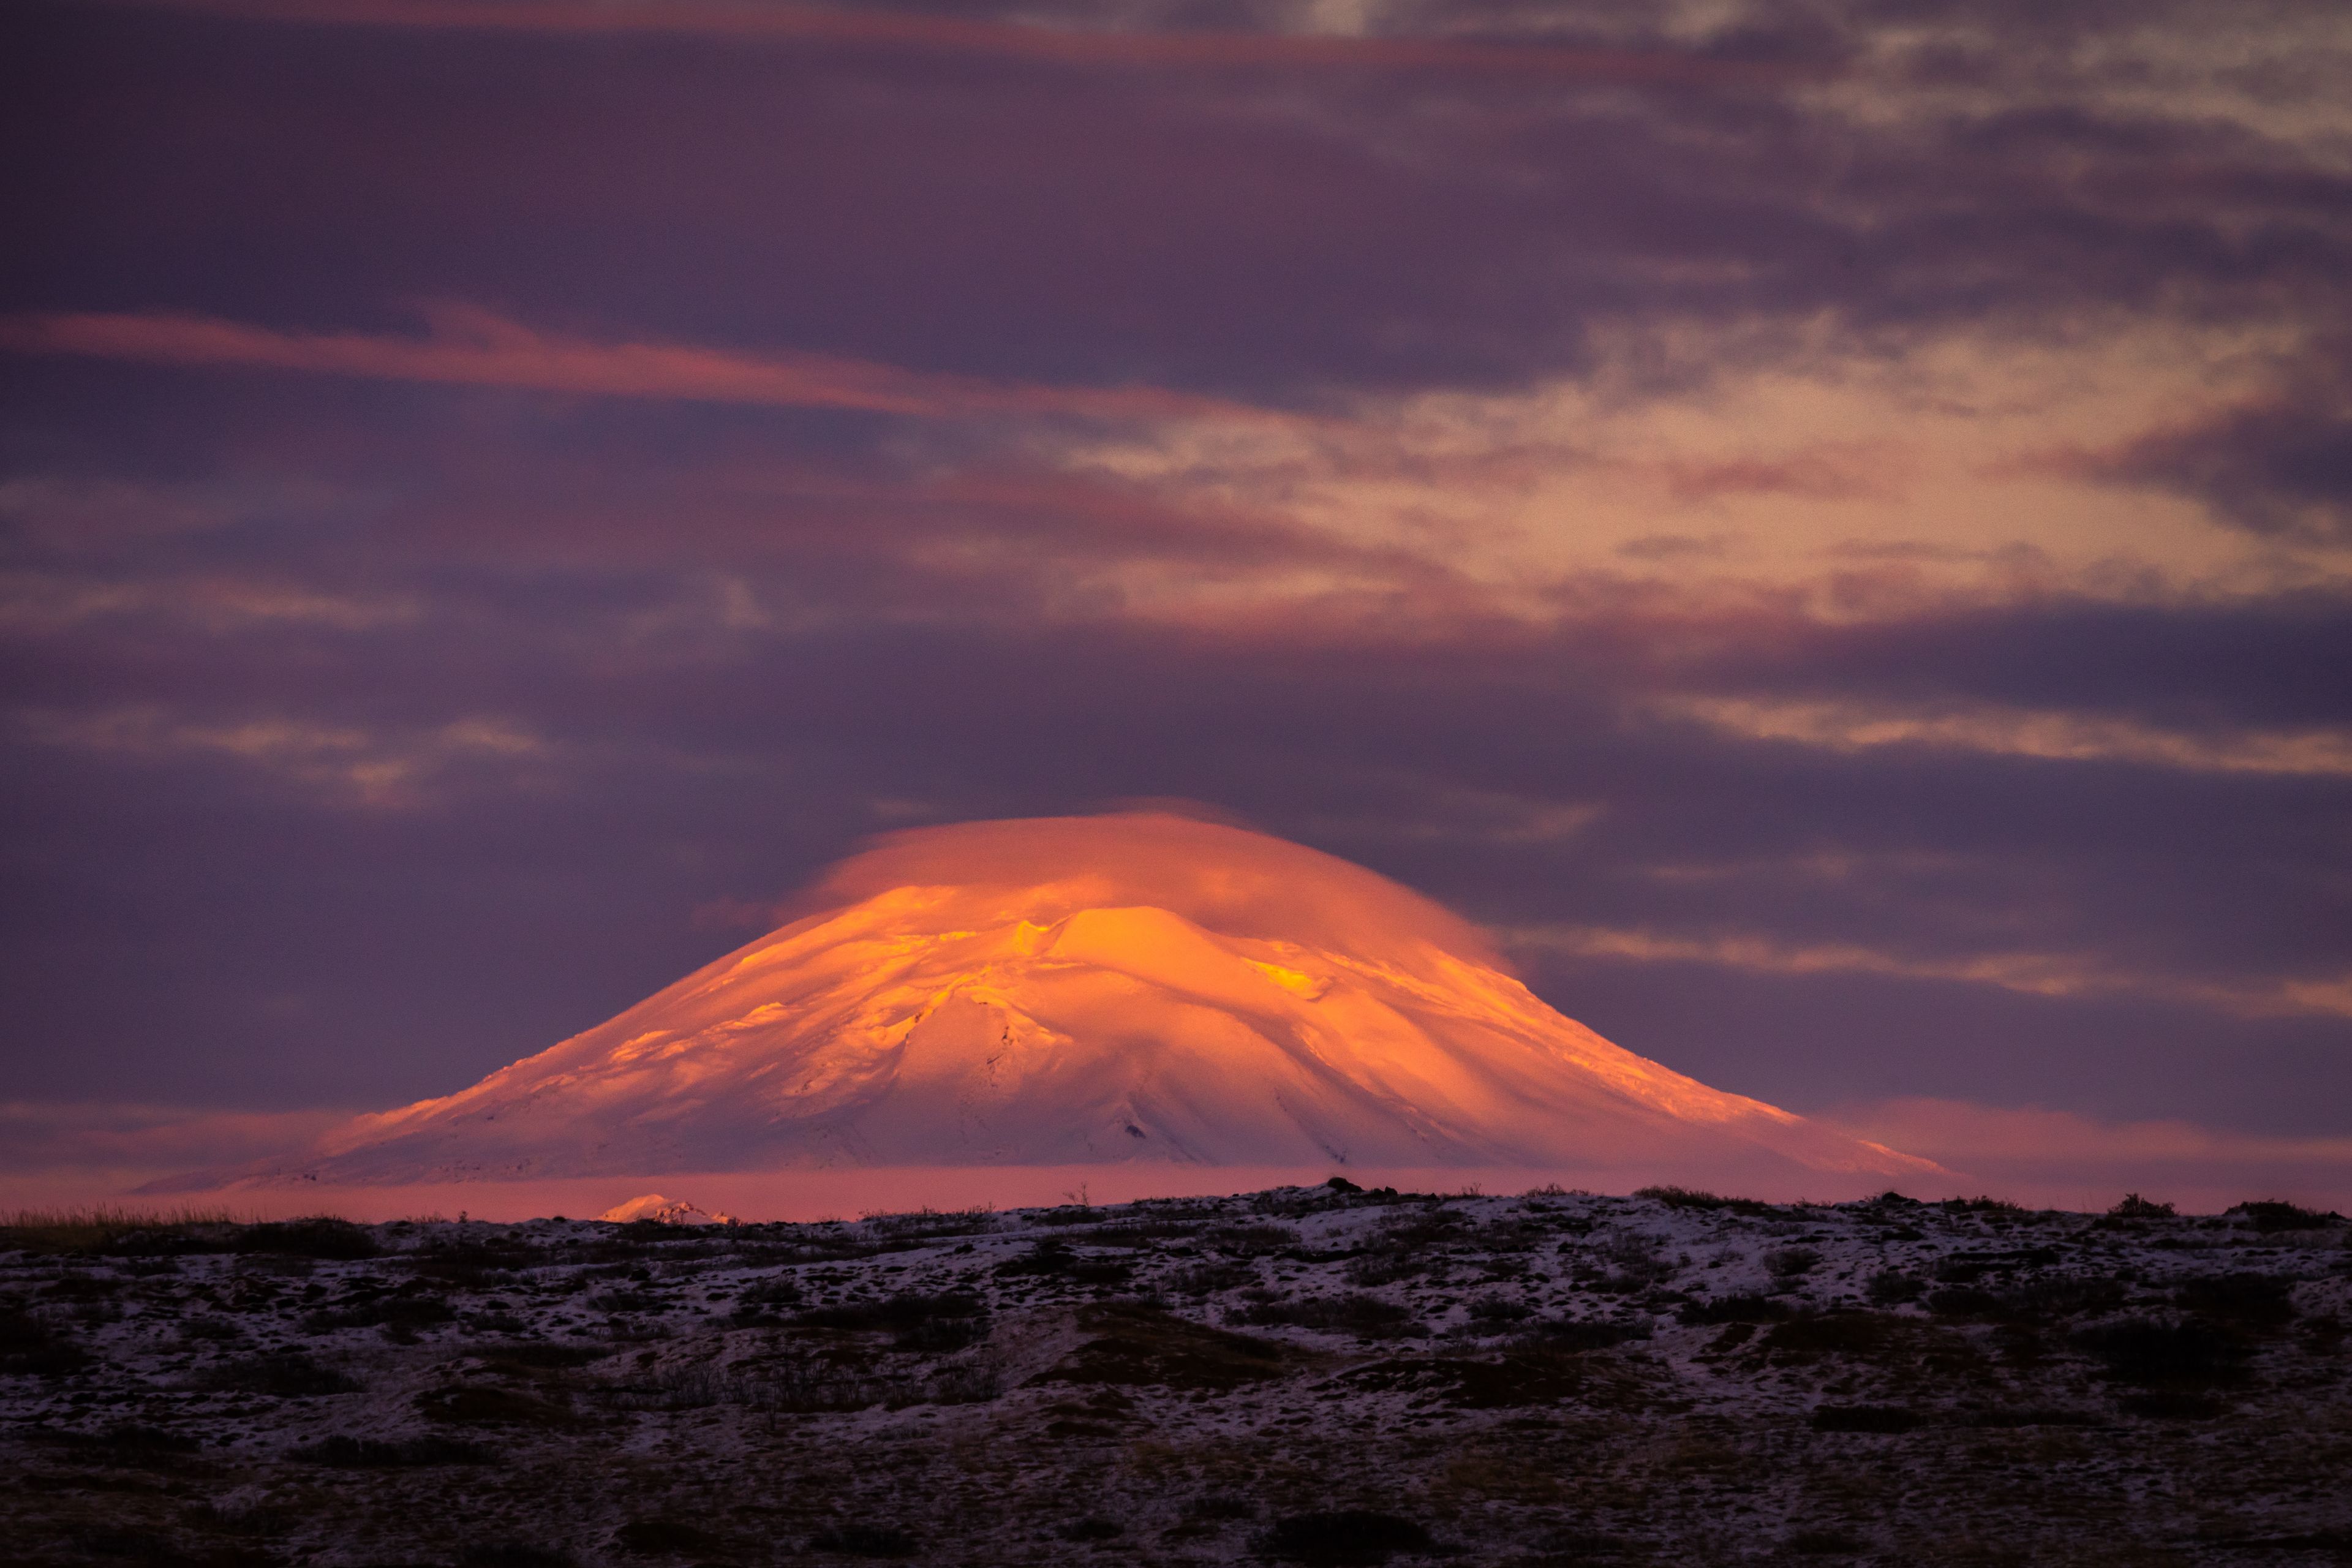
(1250,1240)
(2029,1415)
(342,1453)
(514,1554)
(778,1290)
(1735,1310)
(1981,1204)
(385,1312)
(623,1301)
(1840,1334)
(1574,1338)
(2140,1351)
(1890,1288)
(1207,1278)
(1367,1316)
(1619,1264)
(1345,1536)
(1864,1418)
(1402,1246)
(2064,1298)
(126,1443)
(1823,1543)
(474,1406)
(2270,1217)
(938,1336)
(2135,1206)
(1498,1309)
(1676,1198)
(285,1376)
(1216,1507)
(1142,1234)
(277,1265)
(112,1231)
(30,1346)
(541,1356)
(928,1222)
(963,1383)
(1385,1268)
(864,1540)
(1047,1254)
(2257,1301)
(1789,1262)
(322,1236)
(663,1538)
(943,1322)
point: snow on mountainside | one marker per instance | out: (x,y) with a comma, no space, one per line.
(1058,991)
(661,1211)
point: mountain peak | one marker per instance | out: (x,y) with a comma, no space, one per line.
(1085,990)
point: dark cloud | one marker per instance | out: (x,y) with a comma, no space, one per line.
(2279,468)
(1033,219)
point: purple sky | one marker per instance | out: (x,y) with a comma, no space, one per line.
(1828,526)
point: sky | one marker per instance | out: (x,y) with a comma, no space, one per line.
(1826,528)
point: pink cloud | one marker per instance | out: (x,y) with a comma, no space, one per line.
(1839,472)
(468,347)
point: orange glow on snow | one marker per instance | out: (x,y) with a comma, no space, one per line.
(1140,988)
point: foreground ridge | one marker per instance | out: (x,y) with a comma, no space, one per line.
(1315,1374)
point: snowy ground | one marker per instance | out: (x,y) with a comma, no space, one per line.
(1304,1374)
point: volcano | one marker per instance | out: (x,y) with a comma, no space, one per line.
(1079,991)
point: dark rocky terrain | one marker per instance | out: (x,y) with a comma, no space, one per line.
(1301,1376)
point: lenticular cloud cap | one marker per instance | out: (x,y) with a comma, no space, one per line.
(1099,990)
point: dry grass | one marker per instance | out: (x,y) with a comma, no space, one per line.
(99,1227)
(1558,1423)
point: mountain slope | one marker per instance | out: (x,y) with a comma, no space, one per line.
(1084,990)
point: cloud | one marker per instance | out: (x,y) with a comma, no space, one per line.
(2047,975)
(1852,725)
(1832,477)
(369,770)
(52,603)
(2281,470)
(469,347)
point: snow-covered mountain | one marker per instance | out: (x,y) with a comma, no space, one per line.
(1059,990)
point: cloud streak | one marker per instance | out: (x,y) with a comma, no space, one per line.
(469,347)
(1083,47)
(343,762)
(1852,725)
(2056,975)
